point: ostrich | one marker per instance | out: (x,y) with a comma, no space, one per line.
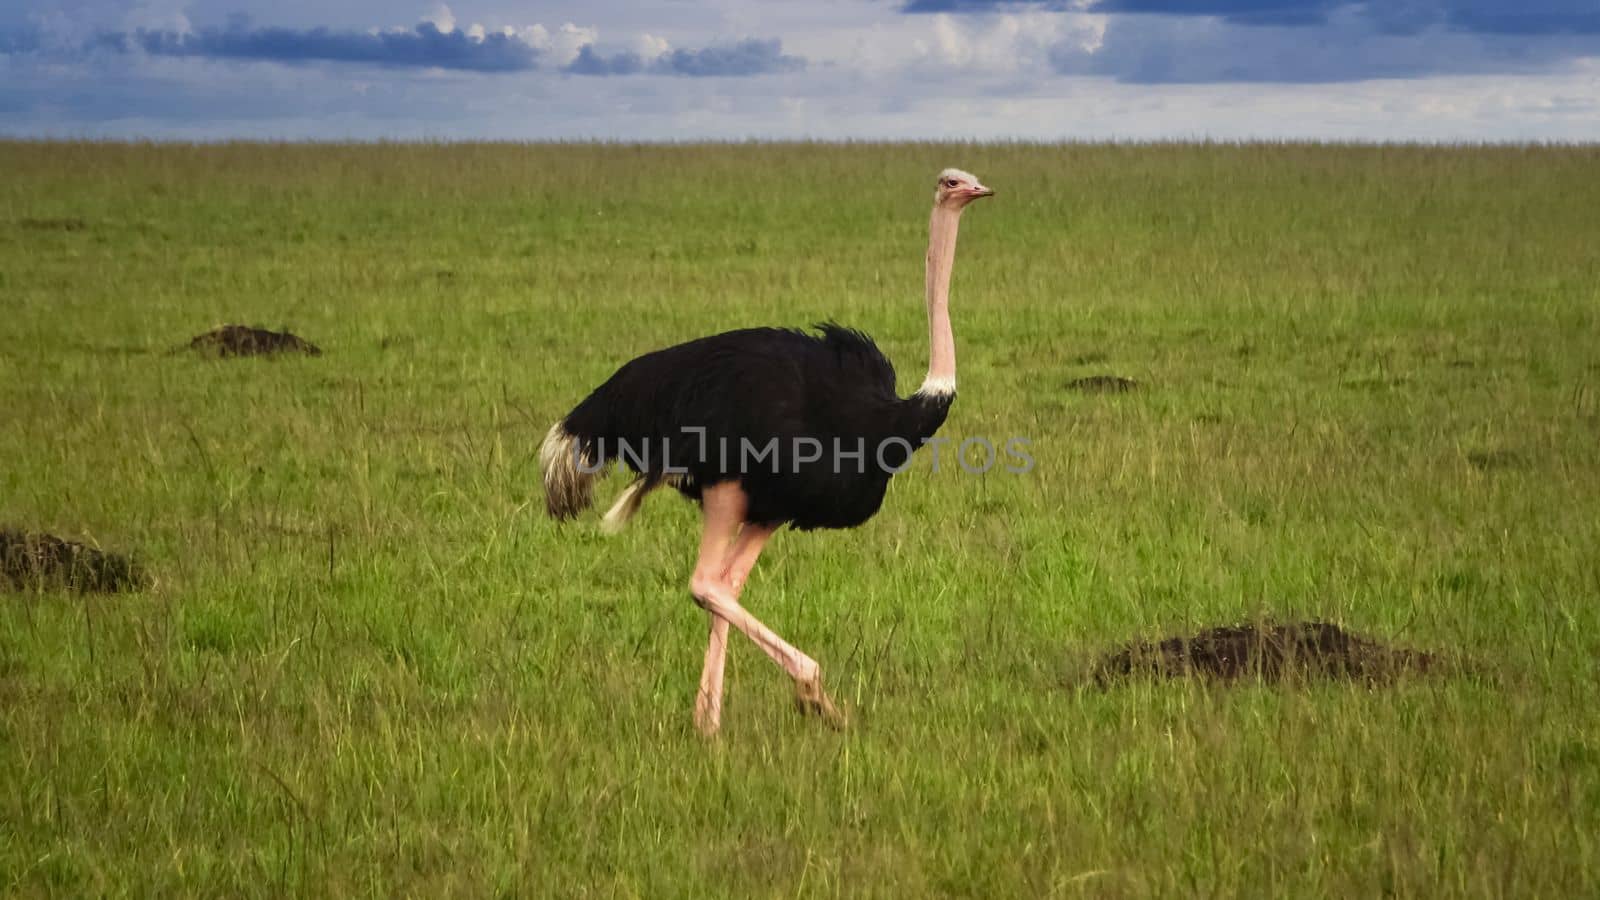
(764,427)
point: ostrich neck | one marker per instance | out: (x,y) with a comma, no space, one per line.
(941,341)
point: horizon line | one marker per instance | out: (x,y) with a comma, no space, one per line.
(1196,141)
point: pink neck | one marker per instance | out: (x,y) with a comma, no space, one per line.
(941,341)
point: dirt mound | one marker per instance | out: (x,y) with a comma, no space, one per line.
(1102,384)
(242,340)
(31,561)
(1269,652)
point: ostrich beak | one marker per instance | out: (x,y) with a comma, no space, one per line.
(981,191)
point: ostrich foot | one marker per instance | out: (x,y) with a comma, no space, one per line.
(707,719)
(811,700)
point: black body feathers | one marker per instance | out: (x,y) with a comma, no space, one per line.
(808,424)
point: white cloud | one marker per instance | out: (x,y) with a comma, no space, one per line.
(568,40)
(444,20)
(535,35)
(1006,43)
(648,46)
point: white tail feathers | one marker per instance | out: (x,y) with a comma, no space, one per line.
(627,505)
(632,497)
(569,474)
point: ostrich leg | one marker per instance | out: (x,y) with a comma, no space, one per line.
(724,506)
(740,559)
(708,701)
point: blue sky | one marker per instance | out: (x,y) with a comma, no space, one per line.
(1483,70)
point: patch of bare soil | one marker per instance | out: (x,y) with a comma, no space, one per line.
(242,340)
(1268,652)
(1102,384)
(34,561)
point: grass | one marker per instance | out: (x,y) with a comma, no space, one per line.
(371,666)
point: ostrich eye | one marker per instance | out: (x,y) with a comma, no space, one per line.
(950,183)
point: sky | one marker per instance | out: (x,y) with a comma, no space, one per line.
(673,70)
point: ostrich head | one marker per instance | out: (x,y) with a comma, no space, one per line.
(957,188)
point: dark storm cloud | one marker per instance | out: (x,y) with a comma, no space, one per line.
(1510,17)
(423,47)
(745,58)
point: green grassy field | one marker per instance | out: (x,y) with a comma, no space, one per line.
(371,666)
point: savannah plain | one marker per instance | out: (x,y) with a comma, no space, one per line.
(1369,393)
